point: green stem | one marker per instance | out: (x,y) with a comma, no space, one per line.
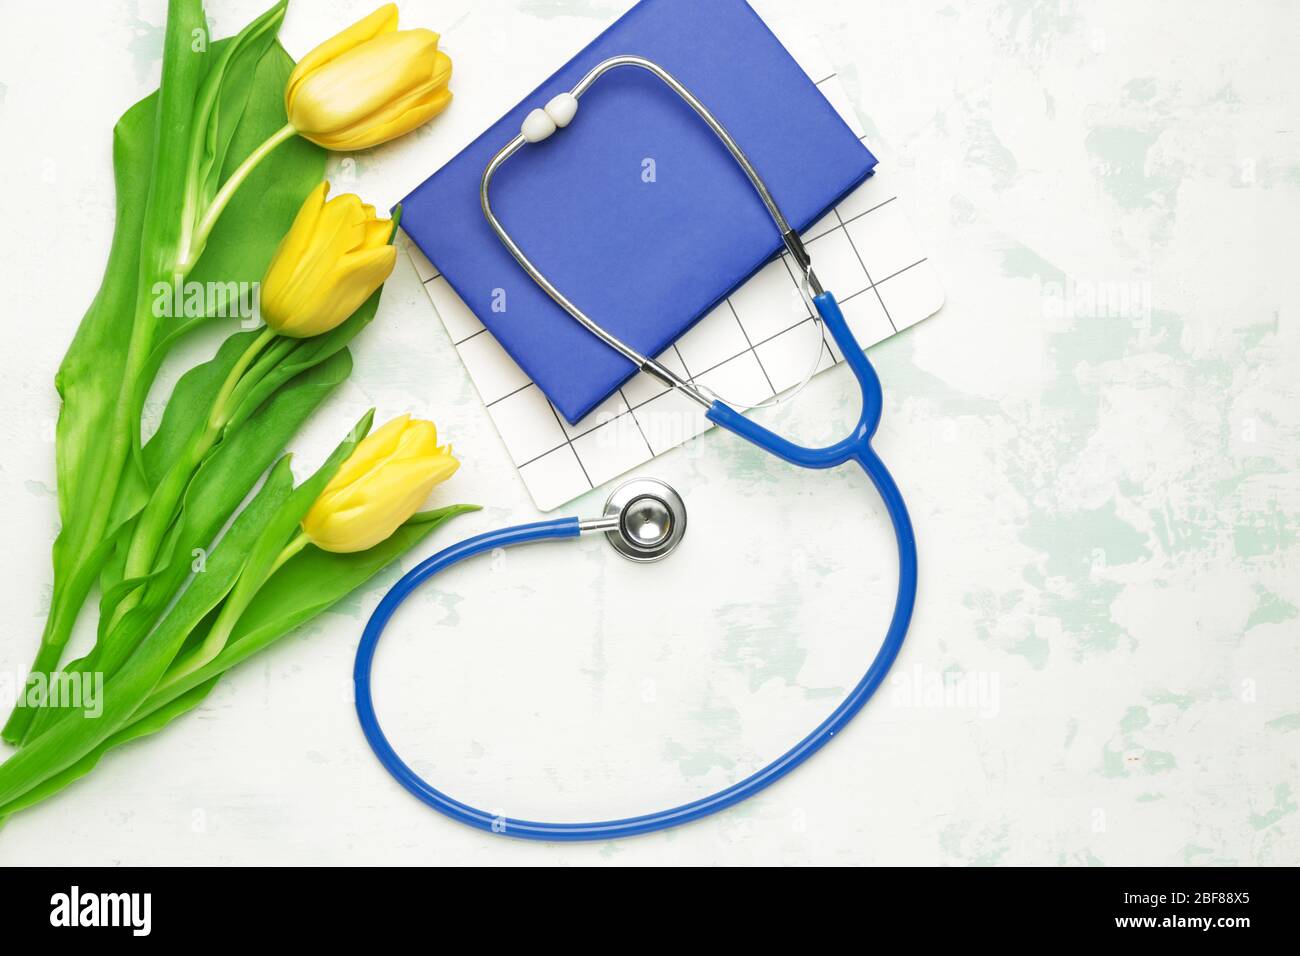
(270,360)
(215,642)
(194,247)
(158,514)
(223,407)
(299,542)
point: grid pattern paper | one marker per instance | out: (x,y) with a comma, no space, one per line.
(758,343)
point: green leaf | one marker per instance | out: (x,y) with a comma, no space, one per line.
(304,587)
(264,554)
(307,353)
(97,354)
(86,380)
(71,734)
(224,97)
(93,438)
(248,232)
(315,580)
(221,483)
(183,417)
(239,251)
(184,67)
(189,403)
(90,378)
(150,724)
(243,242)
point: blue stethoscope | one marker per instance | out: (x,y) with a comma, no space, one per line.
(645,519)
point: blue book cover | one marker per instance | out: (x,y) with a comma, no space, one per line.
(636,211)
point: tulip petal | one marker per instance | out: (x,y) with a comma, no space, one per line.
(394,482)
(339,229)
(327,265)
(366,135)
(375,447)
(378,509)
(398,440)
(359,274)
(296,240)
(420,438)
(345,532)
(398,117)
(378,233)
(361,81)
(385,481)
(383,20)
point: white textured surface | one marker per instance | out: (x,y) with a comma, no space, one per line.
(1105,495)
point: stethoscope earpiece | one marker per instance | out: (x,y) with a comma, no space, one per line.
(645,519)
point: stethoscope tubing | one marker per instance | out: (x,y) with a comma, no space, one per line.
(855,447)
(650,822)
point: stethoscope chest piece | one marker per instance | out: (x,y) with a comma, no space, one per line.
(645,518)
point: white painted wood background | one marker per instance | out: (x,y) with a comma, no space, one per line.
(1097,437)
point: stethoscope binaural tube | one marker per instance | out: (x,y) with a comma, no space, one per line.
(543,123)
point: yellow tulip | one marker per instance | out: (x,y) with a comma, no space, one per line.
(369,84)
(332,258)
(383,482)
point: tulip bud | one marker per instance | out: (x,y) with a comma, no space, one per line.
(334,256)
(369,84)
(382,484)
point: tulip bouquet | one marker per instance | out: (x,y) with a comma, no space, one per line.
(207,187)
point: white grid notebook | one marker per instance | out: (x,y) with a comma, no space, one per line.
(758,343)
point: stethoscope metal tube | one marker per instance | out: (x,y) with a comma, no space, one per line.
(645,519)
(791,238)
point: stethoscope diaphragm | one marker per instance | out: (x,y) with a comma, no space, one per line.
(650,516)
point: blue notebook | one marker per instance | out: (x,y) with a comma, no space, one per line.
(635,211)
